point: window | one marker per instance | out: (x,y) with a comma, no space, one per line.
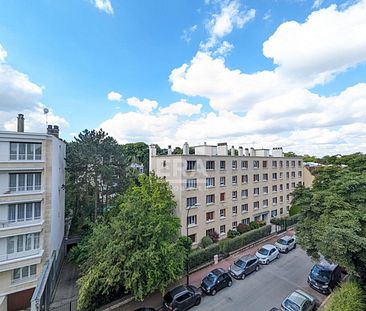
(293,174)
(210,199)
(265,203)
(256,177)
(265,190)
(192,220)
(299,174)
(244,164)
(245,221)
(210,165)
(287,164)
(274,164)
(293,163)
(244,208)
(222,229)
(274,188)
(281,210)
(222,213)
(23,242)
(287,186)
(24,273)
(281,164)
(287,175)
(274,201)
(209,231)
(244,179)
(24,212)
(264,164)
(234,210)
(293,185)
(244,193)
(281,175)
(234,180)
(222,196)
(210,216)
(25,151)
(281,187)
(234,164)
(256,205)
(191,183)
(299,163)
(265,177)
(234,225)
(222,165)
(234,195)
(24,182)
(255,191)
(191,165)
(222,181)
(255,164)
(274,213)
(193,238)
(274,176)
(191,202)
(210,182)
(281,199)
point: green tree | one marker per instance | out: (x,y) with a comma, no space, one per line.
(290,154)
(136,153)
(137,248)
(348,297)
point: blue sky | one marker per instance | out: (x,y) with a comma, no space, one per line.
(254,73)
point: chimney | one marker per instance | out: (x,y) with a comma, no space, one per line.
(49,130)
(185,148)
(56,131)
(246,152)
(240,151)
(252,152)
(20,123)
(232,151)
(222,149)
(169,150)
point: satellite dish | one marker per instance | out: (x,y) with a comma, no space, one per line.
(45,110)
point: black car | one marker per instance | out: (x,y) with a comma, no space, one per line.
(324,277)
(145,309)
(244,266)
(217,279)
(182,298)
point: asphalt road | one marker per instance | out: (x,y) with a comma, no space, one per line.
(266,288)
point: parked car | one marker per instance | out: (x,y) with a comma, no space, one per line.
(267,254)
(285,244)
(182,298)
(244,266)
(145,309)
(275,309)
(216,280)
(324,277)
(298,301)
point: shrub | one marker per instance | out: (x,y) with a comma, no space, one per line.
(232,233)
(242,228)
(348,297)
(206,241)
(294,210)
(253,225)
(214,236)
(201,256)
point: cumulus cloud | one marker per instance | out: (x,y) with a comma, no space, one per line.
(114,96)
(104,5)
(187,33)
(181,108)
(317,4)
(3,54)
(223,49)
(145,105)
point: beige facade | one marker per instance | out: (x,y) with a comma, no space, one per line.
(31,207)
(218,188)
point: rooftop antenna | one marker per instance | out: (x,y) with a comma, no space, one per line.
(46,111)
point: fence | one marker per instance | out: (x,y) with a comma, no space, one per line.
(65,306)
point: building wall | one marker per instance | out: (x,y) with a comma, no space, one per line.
(308,177)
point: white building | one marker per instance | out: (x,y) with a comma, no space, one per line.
(32,209)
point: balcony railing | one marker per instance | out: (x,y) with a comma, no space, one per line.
(4,223)
(17,255)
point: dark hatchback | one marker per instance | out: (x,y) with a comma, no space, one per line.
(145,309)
(325,277)
(216,280)
(182,298)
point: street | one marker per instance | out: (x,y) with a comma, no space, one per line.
(266,288)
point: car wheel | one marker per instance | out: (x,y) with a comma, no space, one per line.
(243,276)
(198,301)
(213,292)
(230,283)
(295,246)
(278,256)
(286,250)
(257,268)
(267,262)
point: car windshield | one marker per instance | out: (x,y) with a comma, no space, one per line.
(168,298)
(263,251)
(290,305)
(282,242)
(240,263)
(320,273)
(211,277)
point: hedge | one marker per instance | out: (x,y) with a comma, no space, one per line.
(201,256)
(289,221)
(348,297)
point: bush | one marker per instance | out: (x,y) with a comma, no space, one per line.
(214,236)
(206,241)
(288,221)
(232,233)
(253,225)
(201,256)
(294,210)
(348,297)
(242,228)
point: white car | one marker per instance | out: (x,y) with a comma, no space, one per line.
(267,253)
(299,301)
(285,244)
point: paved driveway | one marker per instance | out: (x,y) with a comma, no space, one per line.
(266,288)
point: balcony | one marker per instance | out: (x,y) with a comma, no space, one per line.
(7,258)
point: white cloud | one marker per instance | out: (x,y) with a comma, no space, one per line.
(317,4)
(104,5)
(267,16)
(145,105)
(187,33)
(114,96)
(3,54)
(182,108)
(223,49)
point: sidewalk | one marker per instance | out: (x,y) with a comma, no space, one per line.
(155,300)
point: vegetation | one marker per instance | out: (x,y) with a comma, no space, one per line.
(348,297)
(135,247)
(136,153)
(206,241)
(233,233)
(242,228)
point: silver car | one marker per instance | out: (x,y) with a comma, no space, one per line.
(298,301)
(285,244)
(267,253)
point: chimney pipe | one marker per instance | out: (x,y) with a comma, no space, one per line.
(240,151)
(169,150)
(20,123)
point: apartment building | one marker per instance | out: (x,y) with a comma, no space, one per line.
(216,188)
(32,200)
